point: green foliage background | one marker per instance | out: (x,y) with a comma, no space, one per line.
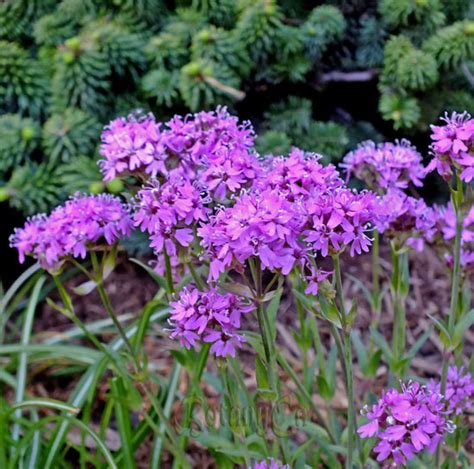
(68,67)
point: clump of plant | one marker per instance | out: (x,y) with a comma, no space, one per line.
(233,234)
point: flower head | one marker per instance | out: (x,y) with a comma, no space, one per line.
(208,317)
(259,224)
(130,145)
(385,165)
(459,393)
(338,219)
(298,175)
(405,219)
(72,228)
(446,232)
(166,211)
(453,146)
(406,423)
(214,149)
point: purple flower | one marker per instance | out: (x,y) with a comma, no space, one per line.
(132,145)
(166,211)
(208,317)
(459,393)
(453,146)
(314,278)
(259,224)
(385,165)
(71,229)
(405,219)
(213,149)
(298,175)
(406,423)
(443,240)
(338,219)
(269,464)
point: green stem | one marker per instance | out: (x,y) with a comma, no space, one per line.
(456,201)
(197,278)
(66,299)
(304,392)
(196,379)
(264,327)
(346,358)
(108,307)
(376,275)
(168,273)
(454,297)
(399,323)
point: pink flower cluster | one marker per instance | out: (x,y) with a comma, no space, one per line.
(259,224)
(453,146)
(385,165)
(269,464)
(70,229)
(208,317)
(209,147)
(406,423)
(166,211)
(459,393)
(338,219)
(289,215)
(132,145)
(298,175)
(405,219)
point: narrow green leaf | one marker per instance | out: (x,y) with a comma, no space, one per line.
(122,419)
(46,403)
(272,310)
(382,343)
(261,374)
(85,288)
(157,278)
(360,350)
(23,358)
(462,326)
(414,349)
(325,390)
(444,335)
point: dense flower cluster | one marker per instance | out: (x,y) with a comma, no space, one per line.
(130,145)
(167,210)
(299,175)
(453,146)
(298,209)
(405,219)
(459,393)
(210,317)
(269,464)
(385,165)
(446,229)
(406,423)
(259,224)
(71,228)
(210,147)
(338,219)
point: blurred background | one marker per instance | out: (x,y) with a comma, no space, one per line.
(322,76)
